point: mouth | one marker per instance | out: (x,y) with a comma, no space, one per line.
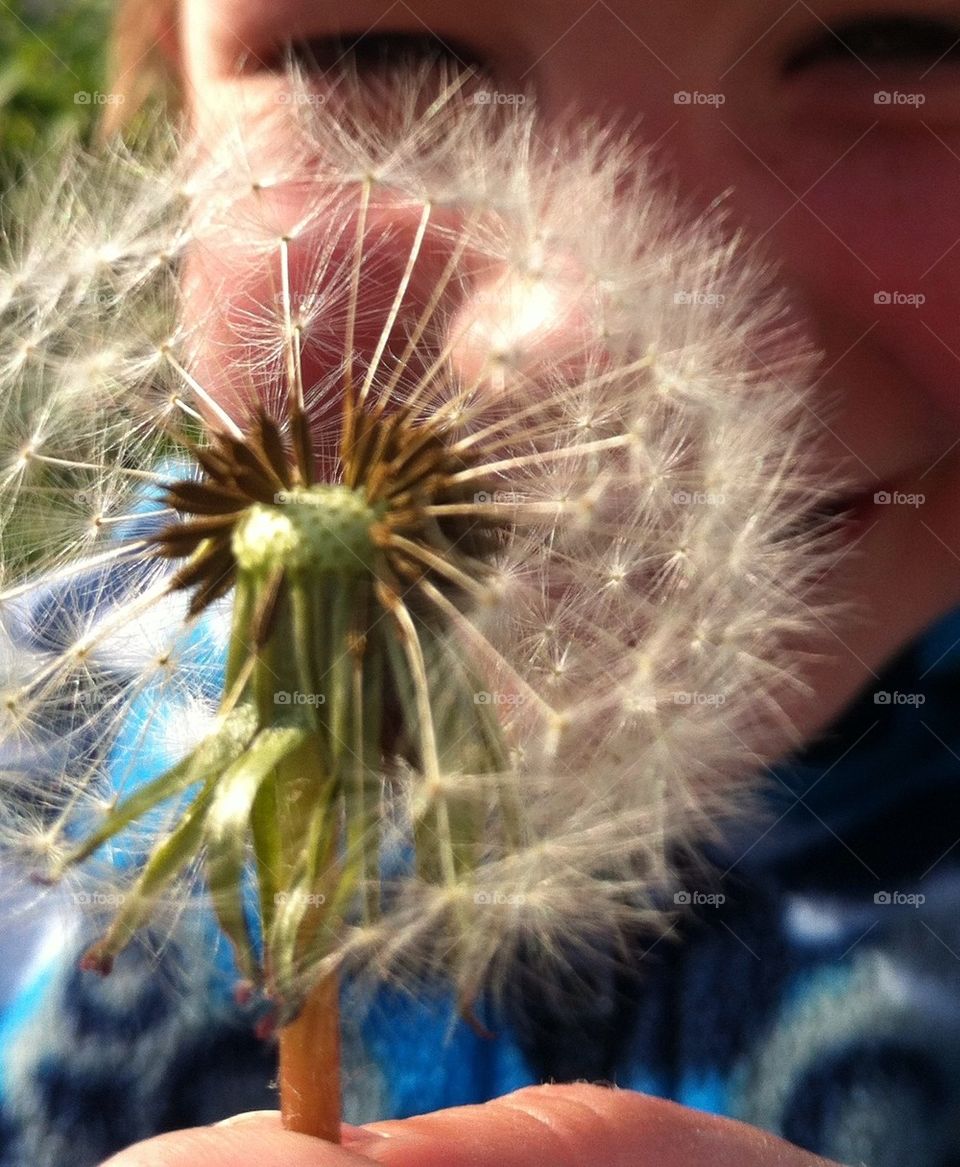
(845,518)
(855,512)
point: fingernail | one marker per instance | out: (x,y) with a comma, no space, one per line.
(357,1137)
(247,1116)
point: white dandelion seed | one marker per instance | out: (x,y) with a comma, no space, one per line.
(480,449)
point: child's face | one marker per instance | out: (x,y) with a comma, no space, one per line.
(830,132)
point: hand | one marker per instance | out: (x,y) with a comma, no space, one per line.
(541,1126)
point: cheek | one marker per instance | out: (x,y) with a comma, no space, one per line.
(858,204)
(877,237)
(245,299)
(288,265)
(538,327)
(864,216)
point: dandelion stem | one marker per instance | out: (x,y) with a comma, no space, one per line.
(210,402)
(115,554)
(394,312)
(513,512)
(441,360)
(542,404)
(439,564)
(70,464)
(186,409)
(576,451)
(349,390)
(310,1065)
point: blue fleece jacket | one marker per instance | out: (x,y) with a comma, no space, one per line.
(813,990)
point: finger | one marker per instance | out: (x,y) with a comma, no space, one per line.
(567,1126)
(249,1140)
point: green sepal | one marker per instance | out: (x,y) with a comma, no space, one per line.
(209,758)
(307,889)
(166,862)
(267,840)
(228,821)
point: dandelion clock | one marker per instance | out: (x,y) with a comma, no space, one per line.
(408,543)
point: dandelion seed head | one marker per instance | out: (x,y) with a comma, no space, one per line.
(429,388)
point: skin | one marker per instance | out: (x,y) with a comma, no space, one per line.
(851,198)
(563,1126)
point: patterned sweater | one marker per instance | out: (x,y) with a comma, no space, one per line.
(813,989)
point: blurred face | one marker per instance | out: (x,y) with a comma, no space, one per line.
(830,133)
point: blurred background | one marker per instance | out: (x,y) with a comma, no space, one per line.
(53,62)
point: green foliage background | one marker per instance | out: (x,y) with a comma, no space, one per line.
(51,51)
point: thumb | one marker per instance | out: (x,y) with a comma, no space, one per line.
(256,1139)
(567,1126)
(559,1126)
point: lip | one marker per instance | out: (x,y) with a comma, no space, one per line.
(857,511)
(849,513)
(847,516)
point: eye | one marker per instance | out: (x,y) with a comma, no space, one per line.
(374,52)
(918,41)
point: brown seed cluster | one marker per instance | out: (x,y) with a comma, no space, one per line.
(407,470)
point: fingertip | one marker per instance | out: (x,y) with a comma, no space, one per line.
(569,1125)
(255,1139)
(533,1126)
(267,1119)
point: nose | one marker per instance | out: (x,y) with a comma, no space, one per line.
(352,256)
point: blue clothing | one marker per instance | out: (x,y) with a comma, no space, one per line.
(814,990)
